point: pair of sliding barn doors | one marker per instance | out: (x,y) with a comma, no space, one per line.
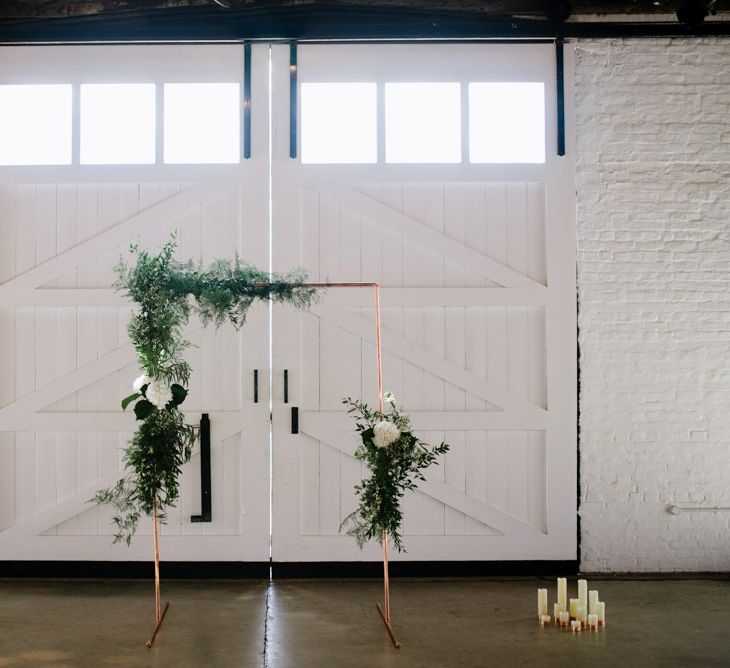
(476,261)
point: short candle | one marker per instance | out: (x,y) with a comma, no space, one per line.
(564,618)
(601,612)
(542,602)
(582,615)
(576,626)
(593,622)
(544,620)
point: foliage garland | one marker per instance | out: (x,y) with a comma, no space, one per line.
(396,458)
(167,292)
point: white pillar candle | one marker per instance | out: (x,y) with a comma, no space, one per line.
(563,593)
(593,622)
(592,600)
(601,612)
(583,593)
(576,626)
(544,620)
(573,608)
(557,609)
(582,615)
(564,618)
(542,602)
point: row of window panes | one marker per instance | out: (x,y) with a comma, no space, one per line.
(118,124)
(506,122)
(201,123)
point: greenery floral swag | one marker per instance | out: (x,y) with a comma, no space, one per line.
(396,458)
(167,292)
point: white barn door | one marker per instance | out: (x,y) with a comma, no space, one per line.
(64,354)
(477,264)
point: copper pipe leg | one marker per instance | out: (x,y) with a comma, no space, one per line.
(159,612)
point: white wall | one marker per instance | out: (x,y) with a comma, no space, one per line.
(653,168)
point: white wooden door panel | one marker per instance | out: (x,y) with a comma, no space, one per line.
(476,268)
(66,361)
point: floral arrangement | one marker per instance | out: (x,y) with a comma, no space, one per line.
(167,292)
(396,458)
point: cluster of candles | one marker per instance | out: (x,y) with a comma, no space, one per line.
(586,611)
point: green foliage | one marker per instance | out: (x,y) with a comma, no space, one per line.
(167,292)
(394,469)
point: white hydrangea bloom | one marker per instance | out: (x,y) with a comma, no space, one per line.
(144,379)
(159,393)
(385,433)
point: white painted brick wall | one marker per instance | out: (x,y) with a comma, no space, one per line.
(653,193)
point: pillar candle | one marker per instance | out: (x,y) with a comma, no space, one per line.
(582,615)
(542,602)
(576,626)
(593,622)
(583,593)
(544,620)
(601,612)
(563,593)
(557,609)
(592,600)
(564,618)
(573,608)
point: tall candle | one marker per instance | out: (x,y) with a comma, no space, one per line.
(563,593)
(601,612)
(573,608)
(583,593)
(542,602)
(592,600)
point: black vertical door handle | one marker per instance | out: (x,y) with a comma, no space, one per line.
(255,386)
(286,386)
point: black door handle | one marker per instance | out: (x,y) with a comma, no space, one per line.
(286,386)
(295,419)
(255,386)
(205,489)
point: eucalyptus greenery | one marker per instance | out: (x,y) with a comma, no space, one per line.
(396,458)
(167,292)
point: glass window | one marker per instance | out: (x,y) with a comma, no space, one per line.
(117,124)
(339,123)
(422,122)
(35,124)
(506,122)
(202,123)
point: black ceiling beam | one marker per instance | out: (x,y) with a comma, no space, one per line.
(318,22)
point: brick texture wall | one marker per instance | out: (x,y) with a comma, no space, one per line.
(653,193)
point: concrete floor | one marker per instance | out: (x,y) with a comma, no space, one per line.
(675,623)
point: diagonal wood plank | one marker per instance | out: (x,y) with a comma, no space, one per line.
(440,491)
(414,230)
(115,235)
(436,421)
(412,352)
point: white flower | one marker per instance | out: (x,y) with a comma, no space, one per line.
(140,381)
(159,393)
(385,433)
(389,398)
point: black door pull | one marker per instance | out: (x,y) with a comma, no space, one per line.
(205,491)
(255,386)
(286,386)
(295,419)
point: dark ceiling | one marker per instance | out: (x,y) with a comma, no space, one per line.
(44,21)
(528,8)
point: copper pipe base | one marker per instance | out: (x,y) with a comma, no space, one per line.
(389,628)
(157,626)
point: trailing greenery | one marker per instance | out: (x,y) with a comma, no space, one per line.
(167,292)
(396,458)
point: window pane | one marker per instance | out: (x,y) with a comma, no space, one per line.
(35,124)
(339,123)
(422,122)
(202,123)
(506,122)
(117,124)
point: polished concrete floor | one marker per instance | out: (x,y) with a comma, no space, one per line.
(672,623)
